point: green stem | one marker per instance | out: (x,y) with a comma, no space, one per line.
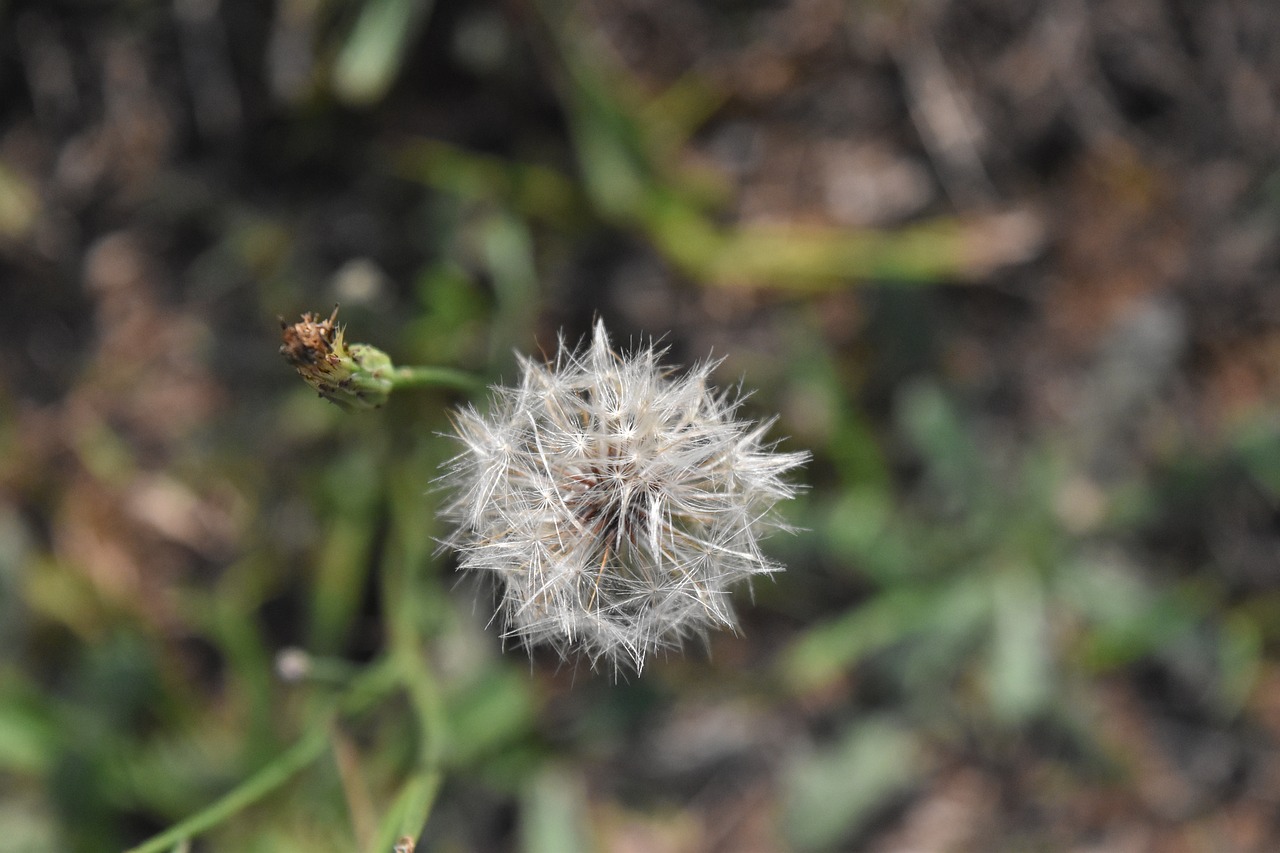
(420,681)
(442,377)
(300,755)
(412,806)
(409,813)
(372,684)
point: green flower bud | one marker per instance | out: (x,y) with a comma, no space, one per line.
(356,377)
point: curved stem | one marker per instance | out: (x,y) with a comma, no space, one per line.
(310,747)
(412,806)
(372,684)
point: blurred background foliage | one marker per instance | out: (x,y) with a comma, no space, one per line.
(1007,269)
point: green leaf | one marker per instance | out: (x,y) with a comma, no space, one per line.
(1019,665)
(371,58)
(493,710)
(944,613)
(553,814)
(931,423)
(830,795)
(354,483)
(29,736)
(1239,659)
(856,524)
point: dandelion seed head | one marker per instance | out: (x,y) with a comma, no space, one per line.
(614,502)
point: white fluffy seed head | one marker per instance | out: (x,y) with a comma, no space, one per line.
(613,502)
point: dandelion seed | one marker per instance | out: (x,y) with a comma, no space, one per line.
(614,502)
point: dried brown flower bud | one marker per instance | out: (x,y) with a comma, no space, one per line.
(355,376)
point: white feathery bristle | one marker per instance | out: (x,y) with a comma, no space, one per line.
(614,502)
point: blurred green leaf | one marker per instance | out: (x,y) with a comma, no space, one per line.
(507,249)
(612,173)
(29,729)
(19,204)
(373,53)
(553,813)
(492,710)
(450,323)
(856,524)
(830,795)
(353,491)
(1019,667)
(814,259)
(829,650)
(533,191)
(25,824)
(856,451)
(934,428)
(1108,594)
(1259,448)
(1241,655)
(949,638)
(1167,616)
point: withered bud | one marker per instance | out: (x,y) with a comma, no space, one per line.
(356,376)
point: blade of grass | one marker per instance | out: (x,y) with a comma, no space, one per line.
(408,814)
(307,750)
(373,683)
(374,52)
(410,547)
